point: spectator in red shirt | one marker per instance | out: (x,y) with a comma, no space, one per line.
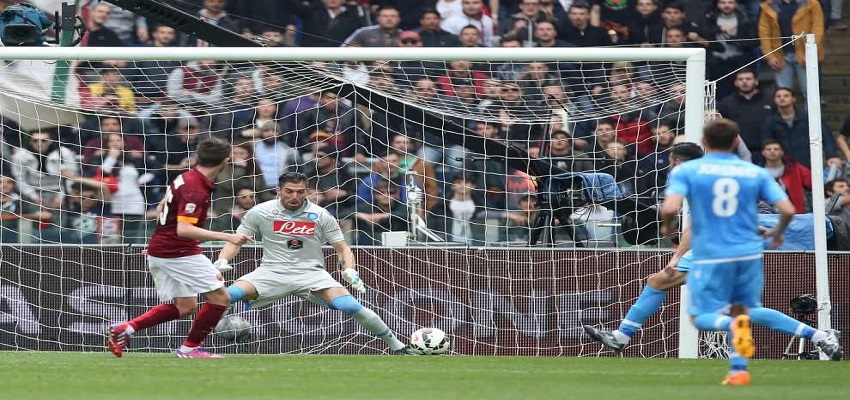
(461,72)
(794,177)
(631,128)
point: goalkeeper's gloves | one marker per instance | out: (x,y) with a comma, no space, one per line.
(352,277)
(222,265)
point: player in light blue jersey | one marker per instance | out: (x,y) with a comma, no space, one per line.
(723,192)
(674,274)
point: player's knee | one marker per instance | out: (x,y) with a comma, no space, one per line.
(186,308)
(663,281)
(347,304)
(219,296)
(656,281)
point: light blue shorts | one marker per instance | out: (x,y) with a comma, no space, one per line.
(716,286)
(686,262)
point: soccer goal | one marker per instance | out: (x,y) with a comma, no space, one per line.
(468,180)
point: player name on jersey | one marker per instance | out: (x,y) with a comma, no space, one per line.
(727,170)
(295,228)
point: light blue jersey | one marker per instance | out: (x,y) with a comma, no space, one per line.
(723,192)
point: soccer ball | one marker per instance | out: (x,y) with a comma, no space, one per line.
(429,341)
(233,327)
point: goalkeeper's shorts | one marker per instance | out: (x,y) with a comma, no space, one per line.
(272,286)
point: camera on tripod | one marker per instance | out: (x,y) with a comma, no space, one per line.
(802,306)
(23,24)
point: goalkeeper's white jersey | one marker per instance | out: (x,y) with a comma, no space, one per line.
(292,240)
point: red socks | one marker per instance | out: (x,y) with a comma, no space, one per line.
(205,321)
(155,316)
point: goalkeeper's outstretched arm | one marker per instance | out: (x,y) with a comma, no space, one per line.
(346,262)
(227,253)
(343,253)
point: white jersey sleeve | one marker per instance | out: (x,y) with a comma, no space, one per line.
(249,225)
(330,228)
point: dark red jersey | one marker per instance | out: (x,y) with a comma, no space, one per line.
(186,200)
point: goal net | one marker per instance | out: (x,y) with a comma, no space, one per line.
(506,196)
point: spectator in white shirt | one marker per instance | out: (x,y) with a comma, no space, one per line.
(473,14)
(273,155)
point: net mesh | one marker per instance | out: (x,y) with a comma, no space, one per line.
(134,126)
(86,160)
(493,301)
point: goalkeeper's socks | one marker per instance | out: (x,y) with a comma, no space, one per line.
(713,322)
(236,293)
(373,323)
(648,303)
(155,316)
(205,321)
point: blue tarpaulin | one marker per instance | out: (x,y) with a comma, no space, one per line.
(800,234)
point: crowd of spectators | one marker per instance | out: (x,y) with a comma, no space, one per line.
(100,181)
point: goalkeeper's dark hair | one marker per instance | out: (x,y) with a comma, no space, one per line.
(212,152)
(291,177)
(686,151)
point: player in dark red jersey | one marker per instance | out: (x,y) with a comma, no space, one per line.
(179,269)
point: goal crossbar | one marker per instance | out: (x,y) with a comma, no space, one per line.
(350,54)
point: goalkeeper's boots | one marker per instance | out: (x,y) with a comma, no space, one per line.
(605,337)
(405,351)
(737,378)
(117,338)
(196,353)
(830,345)
(742,336)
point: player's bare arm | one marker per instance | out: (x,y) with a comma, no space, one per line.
(684,246)
(344,254)
(671,206)
(187,230)
(229,251)
(786,213)
(346,262)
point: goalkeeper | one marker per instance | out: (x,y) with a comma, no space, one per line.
(293,231)
(673,276)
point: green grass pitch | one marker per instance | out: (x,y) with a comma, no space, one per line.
(92,376)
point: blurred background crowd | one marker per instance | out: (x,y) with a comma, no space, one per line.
(99,181)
